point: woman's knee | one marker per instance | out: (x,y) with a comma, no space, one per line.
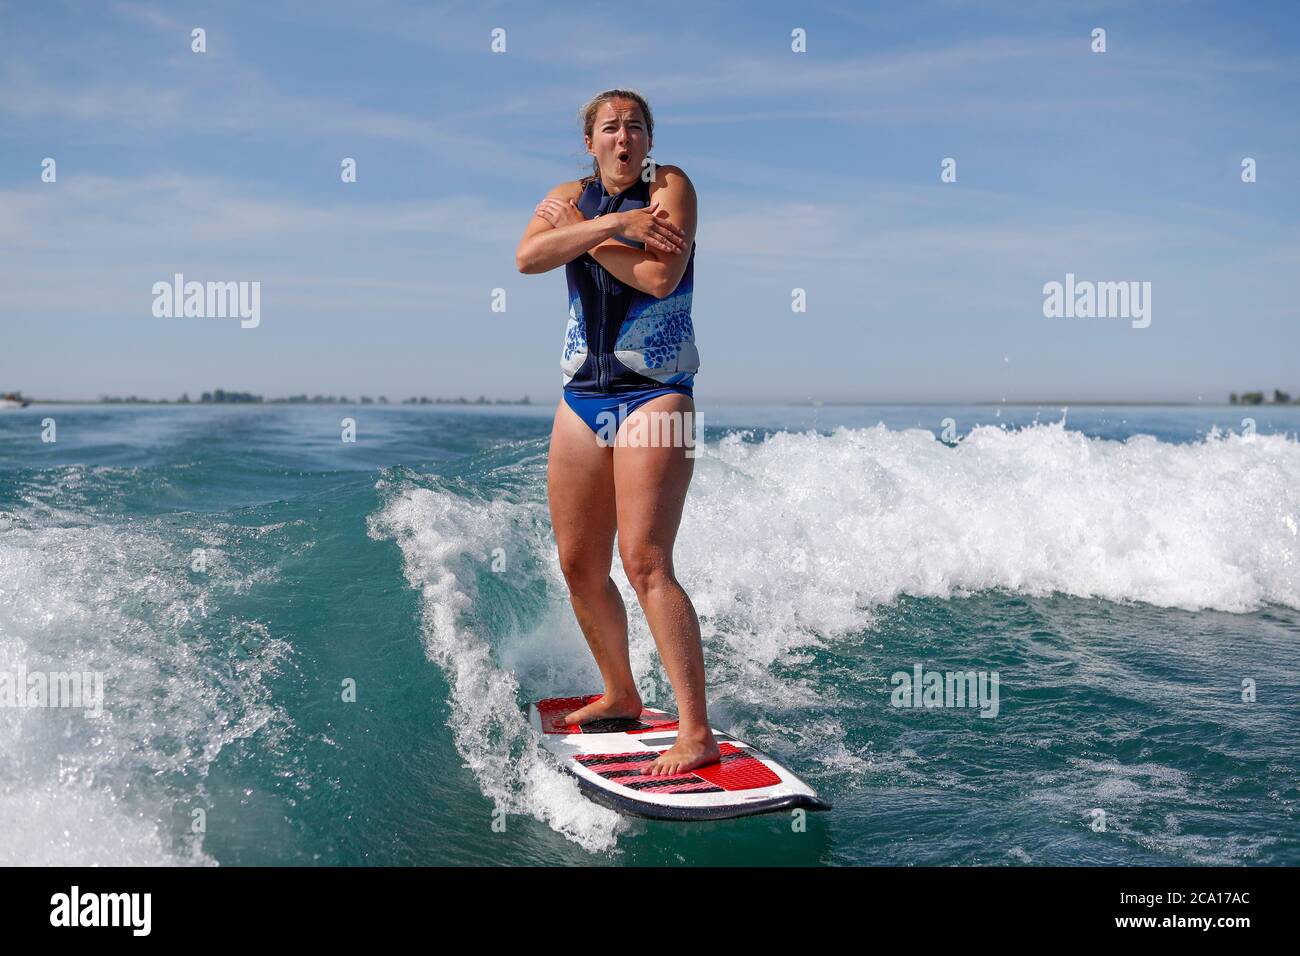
(583,572)
(647,566)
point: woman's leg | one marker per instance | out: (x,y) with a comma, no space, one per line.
(580,485)
(651,485)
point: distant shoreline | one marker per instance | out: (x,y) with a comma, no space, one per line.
(498,403)
(277,403)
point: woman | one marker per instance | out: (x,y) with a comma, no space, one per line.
(627,244)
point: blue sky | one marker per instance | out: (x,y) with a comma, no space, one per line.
(817,170)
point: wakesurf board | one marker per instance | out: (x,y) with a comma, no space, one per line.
(607,756)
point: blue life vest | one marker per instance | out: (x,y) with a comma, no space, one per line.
(619,338)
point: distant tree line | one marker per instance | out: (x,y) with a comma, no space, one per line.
(222,397)
(481,400)
(1257,398)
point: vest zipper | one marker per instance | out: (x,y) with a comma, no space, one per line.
(602,378)
(602,381)
(602,283)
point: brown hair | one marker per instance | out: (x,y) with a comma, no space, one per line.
(587,116)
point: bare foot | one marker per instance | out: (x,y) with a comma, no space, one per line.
(687,754)
(602,707)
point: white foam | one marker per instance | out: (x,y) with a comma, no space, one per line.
(79,594)
(805,533)
(447,543)
(67,826)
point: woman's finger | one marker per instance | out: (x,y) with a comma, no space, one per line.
(670,229)
(666,238)
(673,239)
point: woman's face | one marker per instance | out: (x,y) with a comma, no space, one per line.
(619,140)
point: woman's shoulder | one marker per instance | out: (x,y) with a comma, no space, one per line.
(570,190)
(668,169)
(667,175)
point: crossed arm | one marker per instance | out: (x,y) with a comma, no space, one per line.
(558,233)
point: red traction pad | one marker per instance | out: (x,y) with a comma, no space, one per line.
(554,707)
(736,771)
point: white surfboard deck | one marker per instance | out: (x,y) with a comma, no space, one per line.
(607,756)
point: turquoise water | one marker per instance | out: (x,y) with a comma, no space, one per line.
(1122,570)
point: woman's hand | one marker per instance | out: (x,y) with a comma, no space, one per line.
(559,213)
(648,226)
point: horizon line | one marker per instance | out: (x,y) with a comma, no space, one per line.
(810,403)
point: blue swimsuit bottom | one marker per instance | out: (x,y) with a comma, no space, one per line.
(605,412)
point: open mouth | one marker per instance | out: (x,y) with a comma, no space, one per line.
(623,157)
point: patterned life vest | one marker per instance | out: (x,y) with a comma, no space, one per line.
(619,338)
